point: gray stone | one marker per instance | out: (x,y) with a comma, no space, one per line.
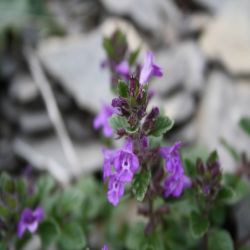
(213,5)
(183,65)
(23,89)
(75,16)
(79,129)
(227,38)
(75,62)
(32,123)
(179,107)
(242,219)
(223,104)
(158,16)
(47,154)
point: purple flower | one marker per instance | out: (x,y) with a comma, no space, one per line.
(149,69)
(119,166)
(115,190)
(176,181)
(105,247)
(29,220)
(174,185)
(126,162)
(173,163)
(123,69)
(102,118)
(108,163)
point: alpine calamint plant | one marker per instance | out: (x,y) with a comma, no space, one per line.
(153,170)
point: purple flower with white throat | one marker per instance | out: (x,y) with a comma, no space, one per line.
(126,162)
(29,220)
(149,69)
(119,166)
(102,120)
(115,190)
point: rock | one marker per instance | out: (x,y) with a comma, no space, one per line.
(241,216)
(159,16)
(227,38)
(47,154)
(196,22)
(7,158)
(34,123)
(183,65)
(23,89)
(75,16)
(213,5)
(75,62)
(79,128)
(224,103)
(179,107)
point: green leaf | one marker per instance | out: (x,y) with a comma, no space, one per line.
(2,246)
(162,125)
(140,184)
(133,56)
(44,185)
(122,89)
(199,224)
(155,141)
(213,157)
(231,150)
(107,44)
(225,194)
(4,212)
(190,168)
(7,184)
(240,187)
(118,122)
(220,240)
(21,187)
(48,231)
(72,237)
(245,124)
(10,201)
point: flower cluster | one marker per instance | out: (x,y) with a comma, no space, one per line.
(208,178)
(132,121)
(119,166)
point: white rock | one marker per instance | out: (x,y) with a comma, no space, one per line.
(183,65)
(158,16)
(48,155)
(224,103)
(23,89)
(227,37)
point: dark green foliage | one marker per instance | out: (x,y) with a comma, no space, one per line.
(122,89)
(220,240)
(245,124)
(140,184)
(199,224)
(161,126)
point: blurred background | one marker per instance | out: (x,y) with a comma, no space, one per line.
(52,84)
